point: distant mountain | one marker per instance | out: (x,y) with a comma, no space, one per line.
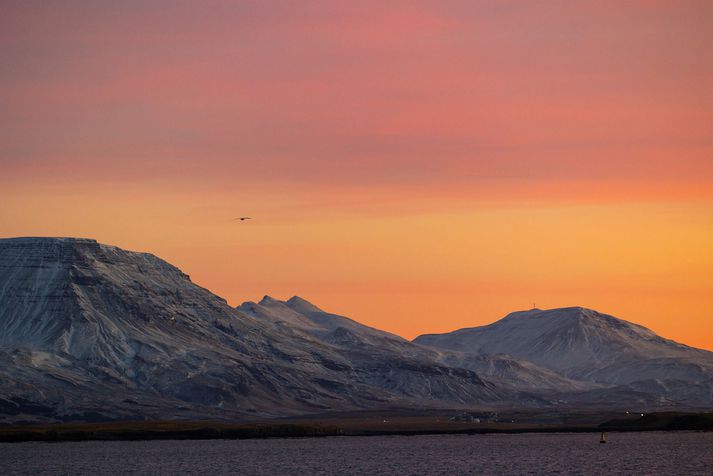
(366,347)
(90,331)
(300,315)
(94,332)
(587,346)
(361,343)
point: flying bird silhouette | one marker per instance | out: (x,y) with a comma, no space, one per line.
(242,218)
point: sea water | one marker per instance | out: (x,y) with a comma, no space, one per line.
(564,453)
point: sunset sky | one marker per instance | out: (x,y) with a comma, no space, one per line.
(419,166)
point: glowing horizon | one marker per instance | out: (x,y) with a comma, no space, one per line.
(417,166)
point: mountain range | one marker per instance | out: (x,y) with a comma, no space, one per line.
(94,332)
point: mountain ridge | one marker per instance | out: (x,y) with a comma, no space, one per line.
(91,329)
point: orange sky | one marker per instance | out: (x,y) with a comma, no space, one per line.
(420,166)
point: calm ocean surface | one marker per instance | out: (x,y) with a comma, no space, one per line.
(625,453)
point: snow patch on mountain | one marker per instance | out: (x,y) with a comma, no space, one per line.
(583,345)
(91,331)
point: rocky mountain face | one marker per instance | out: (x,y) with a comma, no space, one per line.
(522,382)
(94,332)
(574,356)
(368,348)
(619,360)
(90,331)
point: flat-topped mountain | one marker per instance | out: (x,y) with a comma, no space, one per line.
(93,331)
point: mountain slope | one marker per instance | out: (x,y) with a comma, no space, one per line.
(363,343)
(384,359)
(93,331)
(301,315)
(585,345)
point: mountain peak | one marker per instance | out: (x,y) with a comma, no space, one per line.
(579,313)
(268,300)
(575,341)
(522,314)
(298,304)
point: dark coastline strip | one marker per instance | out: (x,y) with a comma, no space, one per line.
(59,434)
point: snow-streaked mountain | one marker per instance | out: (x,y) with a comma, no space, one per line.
(300,315)
(93,331)
(385,360)
(587,346)
(521,375)
(360,342)
(90,331)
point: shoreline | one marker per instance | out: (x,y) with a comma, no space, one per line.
(209,430)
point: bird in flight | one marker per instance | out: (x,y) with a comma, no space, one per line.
(242,218)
